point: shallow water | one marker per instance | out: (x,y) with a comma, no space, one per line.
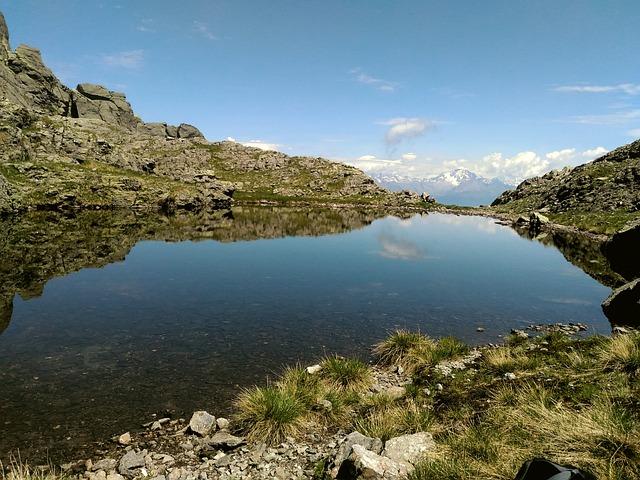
(175,326)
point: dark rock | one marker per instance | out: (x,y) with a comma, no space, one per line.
(622,250)
(623,305)
(153,129)
(355,438)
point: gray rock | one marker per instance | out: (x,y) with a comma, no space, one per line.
(153,129)
(104,464)
(354,438)
(115,476)
(224,440)
(409,448)
(130,462)
(97,102)
(188,131)
(364,464)
(4,38)
(202,422)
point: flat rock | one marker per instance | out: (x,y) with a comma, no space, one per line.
(409,448)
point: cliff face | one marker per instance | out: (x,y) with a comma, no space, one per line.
(85,148)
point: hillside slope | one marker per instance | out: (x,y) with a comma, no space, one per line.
(85,148)
(611,182)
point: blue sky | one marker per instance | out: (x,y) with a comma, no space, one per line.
(507,88)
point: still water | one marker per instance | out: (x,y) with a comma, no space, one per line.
(186,314)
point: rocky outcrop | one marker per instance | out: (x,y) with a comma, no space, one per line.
(622,250)
(61,154)
(97,102)
(611,182)
(623,305)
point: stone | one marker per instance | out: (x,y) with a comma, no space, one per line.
(153,129)
(224,440)
(124,439)
(97,102)
(409,448)
(222,423)
(188,131)
(314,369)
(104,464)
(115,476)
(354,438)
(622,307)
(509,376)
(130,462)
(202,422)
(5,49)
(364,464)
(621,250)
(537,221)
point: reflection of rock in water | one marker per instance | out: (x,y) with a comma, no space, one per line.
(6,310)
(38,246)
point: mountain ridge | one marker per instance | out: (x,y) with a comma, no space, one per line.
(460,186)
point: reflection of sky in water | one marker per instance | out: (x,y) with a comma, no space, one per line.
(203,317)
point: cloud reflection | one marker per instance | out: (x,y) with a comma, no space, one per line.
(399,248)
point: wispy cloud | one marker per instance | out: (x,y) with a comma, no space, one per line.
(380,84)
(130,59)
(204,30)
(627,88)
(607,119)
(146,25)
(401,129)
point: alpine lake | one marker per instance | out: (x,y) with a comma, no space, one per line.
(110,320)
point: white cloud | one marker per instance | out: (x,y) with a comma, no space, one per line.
(262,145)
(380,84)
(510,169)
(405,129)
(129,59)
(203,29)
(627,88)
(635,133)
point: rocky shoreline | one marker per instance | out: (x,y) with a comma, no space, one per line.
(207,447)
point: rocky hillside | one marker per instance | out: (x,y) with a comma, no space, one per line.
(611,182)
(85,148)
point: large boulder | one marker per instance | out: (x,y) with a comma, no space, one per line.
(622,308)
(97,102)
(622,250)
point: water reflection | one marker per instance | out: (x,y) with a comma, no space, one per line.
(119,316)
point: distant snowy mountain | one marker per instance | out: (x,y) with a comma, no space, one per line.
(458,187)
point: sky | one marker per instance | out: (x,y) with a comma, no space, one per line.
(505,88)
